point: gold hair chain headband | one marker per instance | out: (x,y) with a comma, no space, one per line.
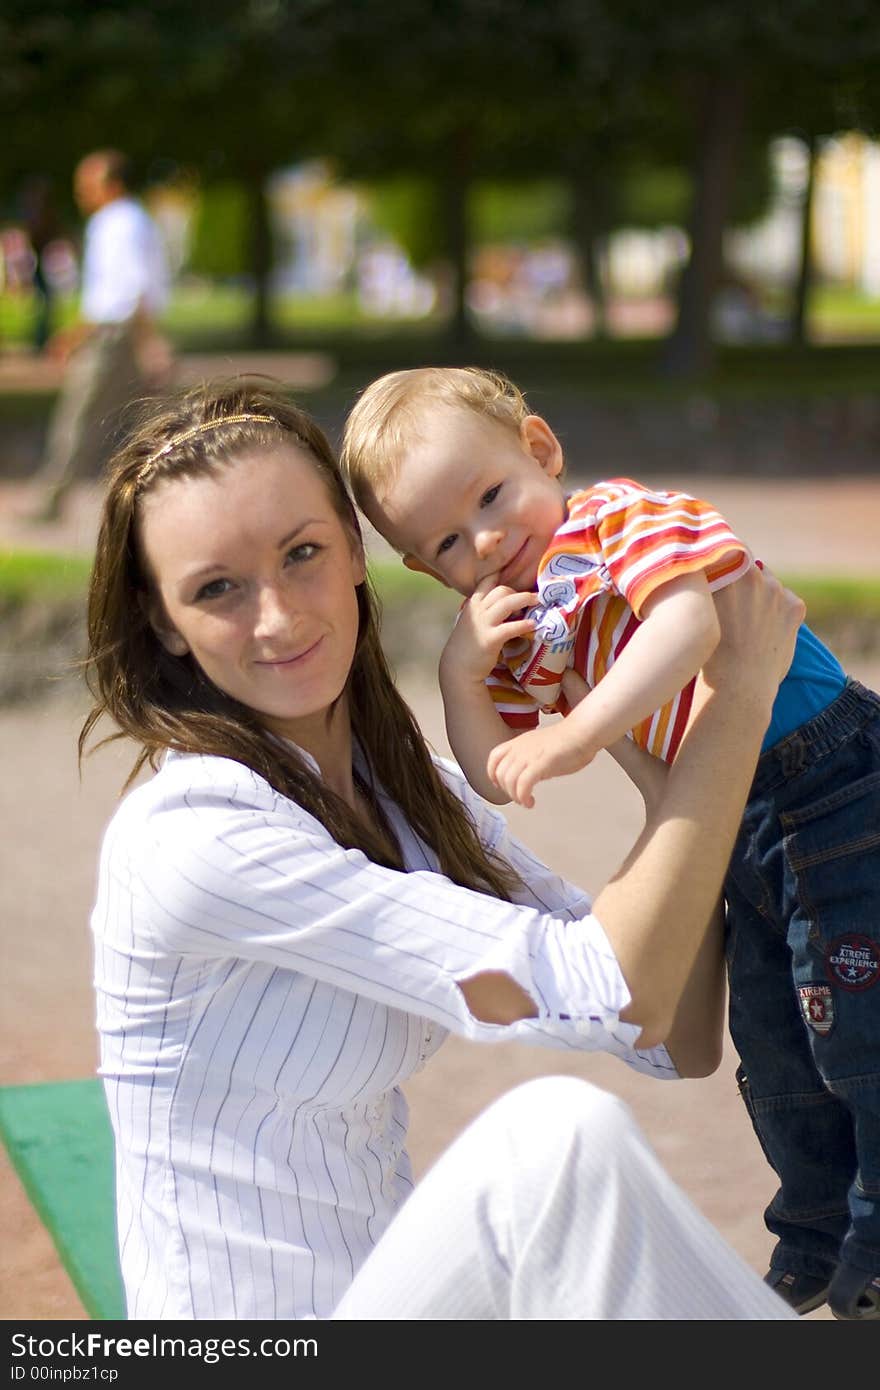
(203,429)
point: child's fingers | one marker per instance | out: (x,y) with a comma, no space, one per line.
(492,581)
(523,627)
(524,786)
(493,763)
(508,773)
(522,793)
(501,603)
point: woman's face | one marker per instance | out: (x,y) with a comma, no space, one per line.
(255,576)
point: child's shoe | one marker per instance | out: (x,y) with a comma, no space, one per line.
(802,1292)
(854,1293)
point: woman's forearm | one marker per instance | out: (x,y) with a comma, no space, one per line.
(695,1040)
(656,908)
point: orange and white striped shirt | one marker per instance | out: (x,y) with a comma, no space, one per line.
(620,542)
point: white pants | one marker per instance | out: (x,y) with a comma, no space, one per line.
(552,1206)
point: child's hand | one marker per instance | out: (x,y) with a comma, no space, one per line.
(484,624)
(518,765)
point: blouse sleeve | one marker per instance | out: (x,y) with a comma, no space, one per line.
(231,868)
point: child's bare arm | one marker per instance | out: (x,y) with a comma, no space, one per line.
(679,633)
(473,725)
(647,773)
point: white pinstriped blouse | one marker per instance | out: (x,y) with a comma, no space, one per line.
(261,995)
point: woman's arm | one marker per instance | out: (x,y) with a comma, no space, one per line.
(655,909)
(695,1040)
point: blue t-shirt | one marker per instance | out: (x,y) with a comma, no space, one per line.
(814,679)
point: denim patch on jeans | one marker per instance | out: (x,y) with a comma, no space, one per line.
(803,937)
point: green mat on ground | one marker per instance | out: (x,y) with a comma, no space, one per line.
(59,1139)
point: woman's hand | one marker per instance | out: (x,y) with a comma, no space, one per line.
(759,620)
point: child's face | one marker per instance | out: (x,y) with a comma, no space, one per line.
(474,498)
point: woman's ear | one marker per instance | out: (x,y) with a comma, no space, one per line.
(539,440)
(171,640)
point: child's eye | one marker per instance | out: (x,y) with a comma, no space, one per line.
(215,588)
(447,543)
(489,497)
(306,551)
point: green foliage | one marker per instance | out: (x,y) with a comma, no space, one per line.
(526,211)
(220,239)
(406,209)
(652,196)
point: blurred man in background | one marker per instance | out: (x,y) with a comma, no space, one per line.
(114,352)
(43,225)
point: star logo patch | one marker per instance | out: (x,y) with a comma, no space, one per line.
(817,1007)
(852,962)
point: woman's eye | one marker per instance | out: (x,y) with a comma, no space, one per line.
(215,588)
(446,544)
(489,497)
(306,551)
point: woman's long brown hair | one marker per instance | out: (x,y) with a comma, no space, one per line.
(165,702)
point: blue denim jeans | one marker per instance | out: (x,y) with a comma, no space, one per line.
(803,959)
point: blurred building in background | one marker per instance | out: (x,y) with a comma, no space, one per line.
(847,213)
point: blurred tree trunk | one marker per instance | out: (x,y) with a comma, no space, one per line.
(721,118)
(454,188)
(805,269)
(261,332)
(588,229)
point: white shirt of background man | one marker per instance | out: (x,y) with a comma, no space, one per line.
(125,266)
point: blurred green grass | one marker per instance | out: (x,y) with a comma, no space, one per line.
(33,576)
(842,358)
(38,576)
(832,599)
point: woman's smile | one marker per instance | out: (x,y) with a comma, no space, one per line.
(287,662)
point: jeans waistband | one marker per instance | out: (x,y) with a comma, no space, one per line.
(854,707)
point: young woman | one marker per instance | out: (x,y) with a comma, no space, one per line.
(302,902)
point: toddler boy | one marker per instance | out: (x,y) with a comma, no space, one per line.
(616,582)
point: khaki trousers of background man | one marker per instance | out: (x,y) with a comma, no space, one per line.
(102,377)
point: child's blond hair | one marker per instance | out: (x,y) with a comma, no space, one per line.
(390,413)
